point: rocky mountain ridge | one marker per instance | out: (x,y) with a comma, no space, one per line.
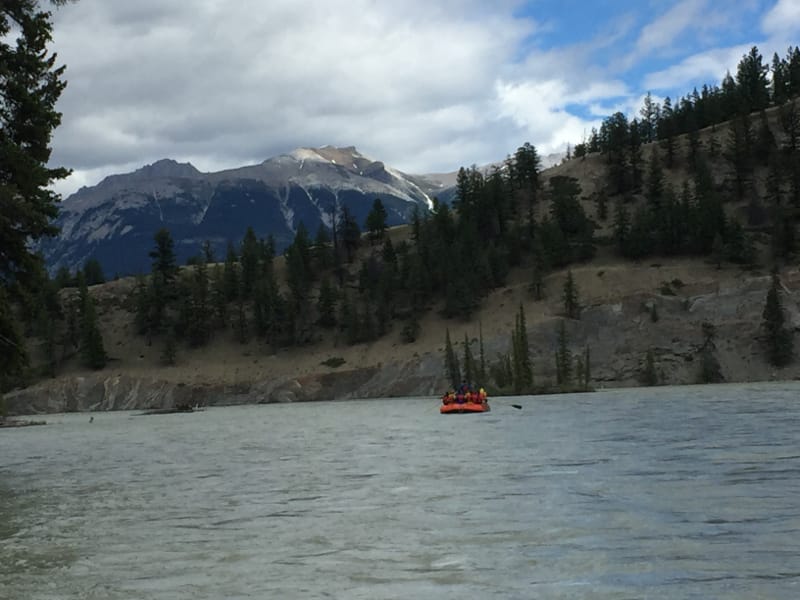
(114,221)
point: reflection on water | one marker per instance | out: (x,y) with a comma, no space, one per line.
(662,493)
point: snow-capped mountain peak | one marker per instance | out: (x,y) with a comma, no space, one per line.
(115,220)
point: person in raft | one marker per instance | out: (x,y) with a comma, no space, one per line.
(464,392)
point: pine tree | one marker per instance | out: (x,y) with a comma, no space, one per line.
(208,252)
(752,82)
(199,318)
(219,300)
(376,221)
(557,251)
(46,306)
(452,369)
(350,320)
(242,325)
(710,370)
(71,339)
(537,280)
(655,181)
(141,299)
(522,367)
(249,258)
(48,333)
(622,226)
(322,250)
(13,357)
(739,154)
(635,155)
(163,256)
(572,307)
(368,324)
(793,70)
(738,246)
(326,304)
(615,139)
(695,145)
(230,277)
(64,278)
(298,268)
(30,86)
(563,357)
(482,356)
(260,308)
(587,369)
(718,250)
(650,113)
(789,116)
(765,145)
(579,373)
(93,272)
(501,372)
(93,353)
(470,368)
(350,233)
(780,80)
(714,147)
(649,377)
(164,272)
(666,132)
(267,254)
(779,340)
(527,167)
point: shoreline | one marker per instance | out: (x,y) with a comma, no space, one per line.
(29,419)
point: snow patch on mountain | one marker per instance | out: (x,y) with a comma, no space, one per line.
(103,231)
(400,177)
(303,154)
(286,210)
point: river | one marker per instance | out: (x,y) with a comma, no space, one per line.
(680,492)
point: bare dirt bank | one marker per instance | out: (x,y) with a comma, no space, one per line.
(616,324)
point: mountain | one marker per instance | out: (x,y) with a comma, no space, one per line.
(114,221)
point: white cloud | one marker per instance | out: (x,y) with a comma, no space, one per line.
(663,31)
(538,108)
(783,18)
(708,67)
(230,83)
(422,85)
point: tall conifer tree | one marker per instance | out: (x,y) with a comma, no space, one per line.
(778,340)
(93,352)
(30,86)
(452,369)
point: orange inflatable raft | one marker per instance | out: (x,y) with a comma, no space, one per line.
(459,404)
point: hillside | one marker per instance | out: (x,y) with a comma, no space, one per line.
(615,324)
(657,304)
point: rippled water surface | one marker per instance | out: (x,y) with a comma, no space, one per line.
(663,493)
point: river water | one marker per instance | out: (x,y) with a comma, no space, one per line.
(682,492)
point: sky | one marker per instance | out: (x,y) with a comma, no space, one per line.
(423,85)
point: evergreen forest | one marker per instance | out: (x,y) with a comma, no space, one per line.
(713,175)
